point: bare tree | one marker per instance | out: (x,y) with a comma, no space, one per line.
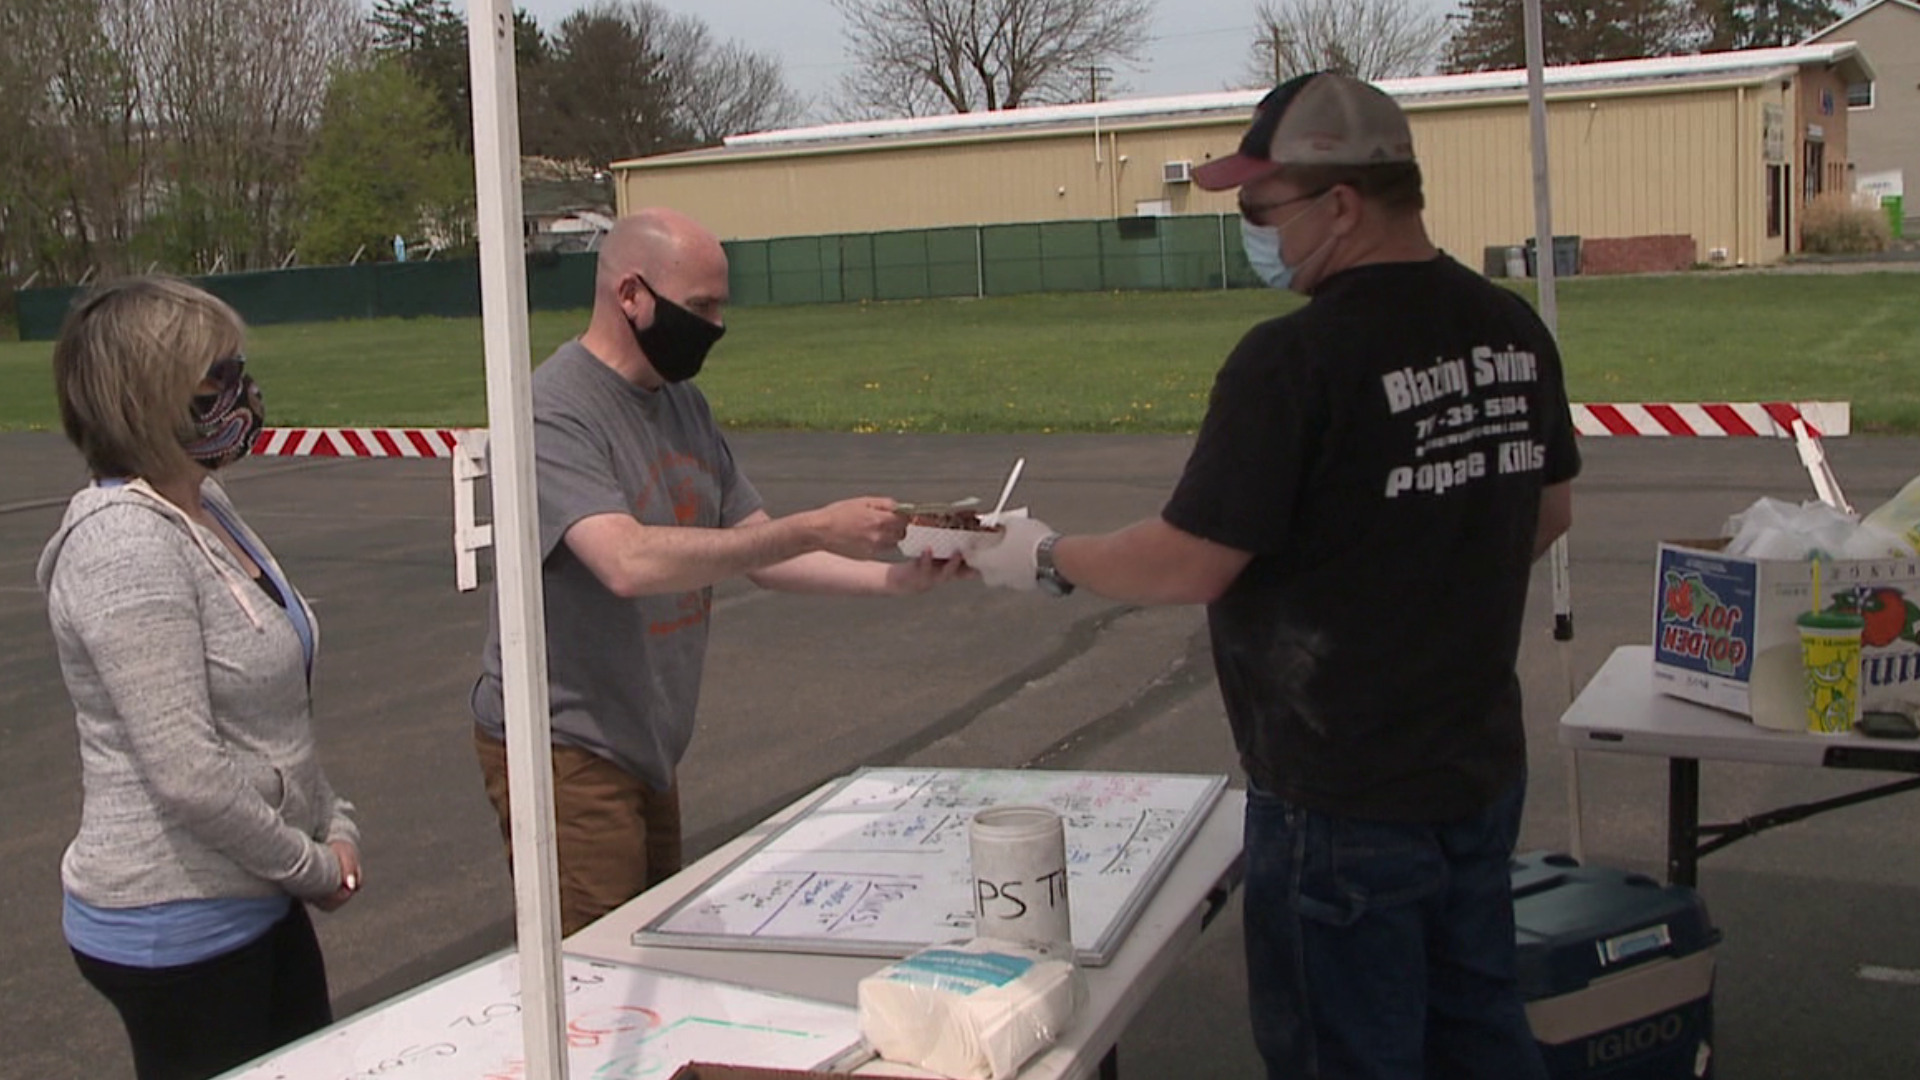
(236,88)
(73,139)
(918,57)
(1368,39)
(724,88)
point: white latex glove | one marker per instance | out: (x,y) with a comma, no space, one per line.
(1010,564)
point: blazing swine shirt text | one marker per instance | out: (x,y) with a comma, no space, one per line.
(1452,407)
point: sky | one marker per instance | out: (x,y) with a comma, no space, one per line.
(1197,45)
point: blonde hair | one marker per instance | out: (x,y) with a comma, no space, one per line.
(130,356)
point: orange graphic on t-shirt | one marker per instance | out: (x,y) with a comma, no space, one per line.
(686,501)
(677,477)
(693,606)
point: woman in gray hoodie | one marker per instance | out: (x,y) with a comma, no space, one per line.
(207,825)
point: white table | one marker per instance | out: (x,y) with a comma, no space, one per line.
(1619,711)
(1196,888)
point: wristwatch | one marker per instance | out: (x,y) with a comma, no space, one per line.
(1045,572)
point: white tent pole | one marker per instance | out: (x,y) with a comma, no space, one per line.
(523,630)
(1544,271)
(1542,194)
(1543,267)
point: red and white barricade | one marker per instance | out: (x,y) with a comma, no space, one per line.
(1768,419)
(1805,422)
(466,447)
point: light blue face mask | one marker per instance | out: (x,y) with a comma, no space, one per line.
(1262,245)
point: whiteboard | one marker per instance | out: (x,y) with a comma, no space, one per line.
(878,865)
(622,1023)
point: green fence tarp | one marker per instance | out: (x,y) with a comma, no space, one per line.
(1199,252)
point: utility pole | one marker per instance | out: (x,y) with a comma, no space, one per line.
(1097,76)
(1274,43)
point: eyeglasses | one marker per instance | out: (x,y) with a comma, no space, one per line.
(227,370)
(224,375)
(1253,212)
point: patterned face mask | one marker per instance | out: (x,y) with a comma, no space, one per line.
(227,420)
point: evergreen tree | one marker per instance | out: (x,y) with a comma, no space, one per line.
(1755,24)
(430,37)
(607,91)
(1492,33)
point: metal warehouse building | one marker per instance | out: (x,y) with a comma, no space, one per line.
(1681,160)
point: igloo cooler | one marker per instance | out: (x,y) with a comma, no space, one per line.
(1616,970)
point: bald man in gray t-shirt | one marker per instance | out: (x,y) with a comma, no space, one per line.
(642,510)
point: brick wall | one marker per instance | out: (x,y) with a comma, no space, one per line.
(1635,254)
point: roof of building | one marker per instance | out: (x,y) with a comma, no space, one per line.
(1746,66)
(551,197)
(1850,16)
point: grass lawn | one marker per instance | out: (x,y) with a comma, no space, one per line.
(1123,362)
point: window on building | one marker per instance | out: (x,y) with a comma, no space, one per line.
(1813,169)
(1860,95)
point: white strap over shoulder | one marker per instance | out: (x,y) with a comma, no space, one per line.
(235,581)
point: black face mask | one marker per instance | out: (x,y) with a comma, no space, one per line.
(677,342)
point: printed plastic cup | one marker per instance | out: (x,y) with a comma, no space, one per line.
(1830,660)
(1019,856)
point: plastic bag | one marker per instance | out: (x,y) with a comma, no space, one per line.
(1899,517)
(1773,529)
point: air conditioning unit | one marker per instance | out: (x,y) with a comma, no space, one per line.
(1176,172)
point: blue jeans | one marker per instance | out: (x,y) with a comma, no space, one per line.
(1384,950)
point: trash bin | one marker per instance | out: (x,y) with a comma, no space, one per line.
(1566,256)
(1896,214)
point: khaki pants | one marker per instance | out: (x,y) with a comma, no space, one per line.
(615,836)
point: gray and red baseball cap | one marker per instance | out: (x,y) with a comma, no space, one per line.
(1315,119)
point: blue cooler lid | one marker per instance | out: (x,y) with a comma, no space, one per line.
(1574,924)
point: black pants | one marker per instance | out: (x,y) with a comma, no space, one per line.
(198,1020)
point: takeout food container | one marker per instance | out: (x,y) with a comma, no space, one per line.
(945,543)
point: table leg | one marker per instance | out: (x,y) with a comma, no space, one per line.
(1576,826)
(1683,821)
(1110,1065)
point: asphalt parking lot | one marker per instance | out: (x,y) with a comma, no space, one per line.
(802,689)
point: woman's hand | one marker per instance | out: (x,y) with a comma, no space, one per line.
(349,857)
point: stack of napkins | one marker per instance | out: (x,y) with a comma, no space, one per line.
(975,1010)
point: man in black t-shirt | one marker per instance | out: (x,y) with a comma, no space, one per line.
(1375,476)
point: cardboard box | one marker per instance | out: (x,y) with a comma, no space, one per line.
(1724,633)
